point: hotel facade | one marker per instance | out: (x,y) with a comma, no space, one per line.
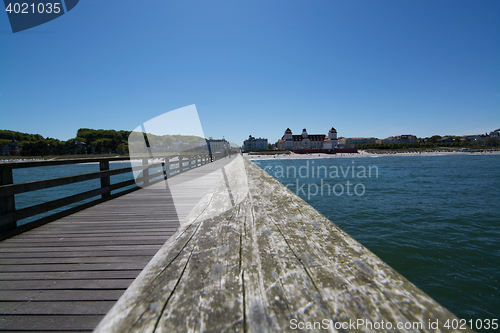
(254,144)
(289,141)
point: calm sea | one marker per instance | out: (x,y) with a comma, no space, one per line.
(434,219)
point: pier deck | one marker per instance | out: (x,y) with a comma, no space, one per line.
(66,275)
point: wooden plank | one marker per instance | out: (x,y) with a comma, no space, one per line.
(81,275)
(90,242)
(83,254)
(215,259)
(73,260)
(31,331)
(54,233)
(107,224)
(50,323)
(61,295)
(106,233)
(77,248)
(98,237)
(73,267)
(66,284)
(56,308)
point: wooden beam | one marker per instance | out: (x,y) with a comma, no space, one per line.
(21,165)
(6,190)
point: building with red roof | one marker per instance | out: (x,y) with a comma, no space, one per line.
(305,140)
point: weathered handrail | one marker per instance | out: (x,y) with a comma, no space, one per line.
(266,261)
(48,183)
(9,215)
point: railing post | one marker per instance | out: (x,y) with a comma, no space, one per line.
(166,167)
(145,172)
(7,203)
(105,181)
(169,169)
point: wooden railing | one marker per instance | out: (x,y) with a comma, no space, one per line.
(178,164)
(9,215)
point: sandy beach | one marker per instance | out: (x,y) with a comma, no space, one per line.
(363,153)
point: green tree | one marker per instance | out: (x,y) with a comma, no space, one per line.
(434,139)
(492,142)
(122,149)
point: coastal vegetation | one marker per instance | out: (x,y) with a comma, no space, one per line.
(435,142)
(87,141)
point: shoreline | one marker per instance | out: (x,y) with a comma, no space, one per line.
(363,153)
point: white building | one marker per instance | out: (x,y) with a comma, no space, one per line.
(308,141)
(253,144)
(218,145)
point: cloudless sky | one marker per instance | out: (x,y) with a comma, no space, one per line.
(368,68)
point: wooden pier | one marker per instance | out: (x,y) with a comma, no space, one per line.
(67,274)
(244,254)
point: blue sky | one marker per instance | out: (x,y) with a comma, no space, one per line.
(368,68)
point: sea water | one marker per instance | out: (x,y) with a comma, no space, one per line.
(434,219)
